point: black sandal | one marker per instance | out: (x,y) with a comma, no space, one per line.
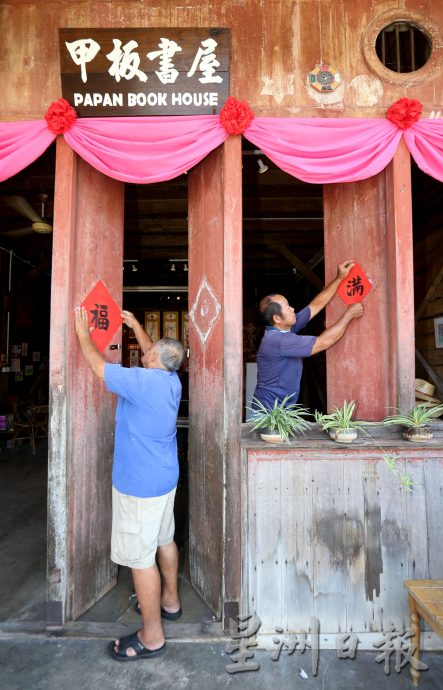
(141,652)
(164,614)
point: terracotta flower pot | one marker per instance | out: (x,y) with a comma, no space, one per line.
(419,434)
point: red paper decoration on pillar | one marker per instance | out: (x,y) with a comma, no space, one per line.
(60,116)
(405,112)
(236,116)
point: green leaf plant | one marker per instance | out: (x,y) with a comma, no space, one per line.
(420,415)
(283,418)
(339,418)
(342,418)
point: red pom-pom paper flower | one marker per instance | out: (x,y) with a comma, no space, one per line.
(60,116)
(405,112)
(236,116)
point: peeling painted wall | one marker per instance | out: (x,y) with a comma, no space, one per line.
(274,46)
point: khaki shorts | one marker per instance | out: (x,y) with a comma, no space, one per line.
(139,526)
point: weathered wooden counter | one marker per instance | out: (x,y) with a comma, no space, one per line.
(329,532)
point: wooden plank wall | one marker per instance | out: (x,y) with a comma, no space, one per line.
(370,221)
(270,72)
(332,535)
(350,370)
(428,263)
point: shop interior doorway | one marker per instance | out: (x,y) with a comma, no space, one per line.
(283,253)
(26,211)
(155,289)
(427,214)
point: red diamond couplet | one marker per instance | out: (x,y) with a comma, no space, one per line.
(104,315)
(356,286)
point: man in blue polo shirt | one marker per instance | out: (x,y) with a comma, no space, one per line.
(144,479)
(281,352)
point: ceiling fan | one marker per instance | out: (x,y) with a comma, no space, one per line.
(38,224)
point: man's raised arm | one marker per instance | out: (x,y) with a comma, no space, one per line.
(335,332)
(324,297)
(92,356)
(143,338)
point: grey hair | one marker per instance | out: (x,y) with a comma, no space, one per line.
(170,353)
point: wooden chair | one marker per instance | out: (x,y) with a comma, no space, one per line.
(425,599)
(40,420)
(23,427)
(30,422)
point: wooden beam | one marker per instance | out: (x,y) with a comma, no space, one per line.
(399,277)
(435,378)
(429,294)
(299,265)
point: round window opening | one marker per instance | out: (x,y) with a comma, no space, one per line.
(403,47)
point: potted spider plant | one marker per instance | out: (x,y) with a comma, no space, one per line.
(416,426)
(342,428)
(339,424)
(280,422)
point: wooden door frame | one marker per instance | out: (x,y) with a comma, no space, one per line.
(215,329)
(69,377)
(87,245)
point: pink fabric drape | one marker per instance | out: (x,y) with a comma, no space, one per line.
(145,149)
(322,150)
(425,143)
(152,149)
(21,143)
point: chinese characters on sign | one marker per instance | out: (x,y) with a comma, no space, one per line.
(243,638)
(104,315)
(145,71)
(100,317)
(356,286)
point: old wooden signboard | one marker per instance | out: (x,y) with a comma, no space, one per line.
(123,72)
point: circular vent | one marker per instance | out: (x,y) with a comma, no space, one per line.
(403,47)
